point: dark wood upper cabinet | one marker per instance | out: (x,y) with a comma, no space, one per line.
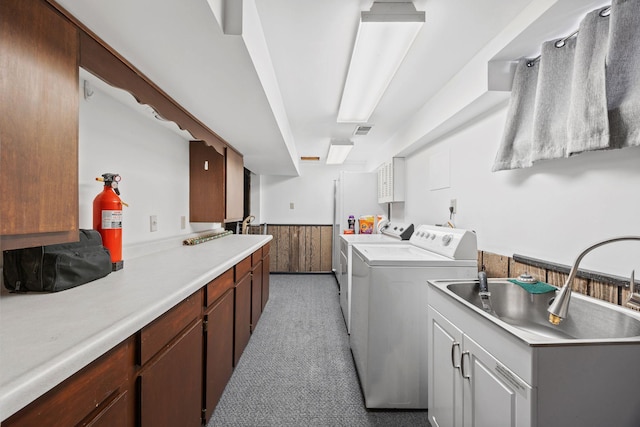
(206,183)
(38,125)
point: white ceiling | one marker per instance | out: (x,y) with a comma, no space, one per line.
(273,92)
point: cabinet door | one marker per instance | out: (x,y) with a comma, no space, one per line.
(171,383)
(206,183)
(218,350)
(234,186)
(256,295)
(265,279)
(494,396)
(445,380)
(38,125)
(242,320)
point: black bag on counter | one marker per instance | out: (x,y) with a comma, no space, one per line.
(57,267)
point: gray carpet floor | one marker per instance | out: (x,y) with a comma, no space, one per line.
(297,369)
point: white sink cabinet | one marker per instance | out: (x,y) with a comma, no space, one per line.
(468,386)
(483,375)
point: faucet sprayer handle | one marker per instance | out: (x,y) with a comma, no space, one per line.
(634,297)
(482,279)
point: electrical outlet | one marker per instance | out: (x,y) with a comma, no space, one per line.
(153,223)
(291,205)
(183,222)
(453,205)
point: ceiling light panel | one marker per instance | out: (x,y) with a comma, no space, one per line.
(338,152)
(384,37)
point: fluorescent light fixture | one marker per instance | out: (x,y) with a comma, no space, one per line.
(384,37)
(338,152)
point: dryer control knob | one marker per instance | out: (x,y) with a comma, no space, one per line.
(446,239)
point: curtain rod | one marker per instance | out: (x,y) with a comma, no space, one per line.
(561,42)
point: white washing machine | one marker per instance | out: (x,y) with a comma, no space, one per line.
(391,233)
(389,310)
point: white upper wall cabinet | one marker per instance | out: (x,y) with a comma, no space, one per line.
(391,177)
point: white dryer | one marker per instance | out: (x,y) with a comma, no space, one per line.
(391,233)
(389,310)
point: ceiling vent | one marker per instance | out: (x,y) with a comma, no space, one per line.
(310,158)
(362,130)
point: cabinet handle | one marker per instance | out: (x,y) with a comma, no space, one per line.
(453,354)
(464,353)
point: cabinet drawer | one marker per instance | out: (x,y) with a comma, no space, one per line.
(159,333)
(243,268)
(219,286)
(91,389)
(256,257)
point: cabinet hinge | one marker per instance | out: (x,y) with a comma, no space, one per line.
(205,325)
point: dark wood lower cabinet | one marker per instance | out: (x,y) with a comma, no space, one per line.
(173,371)
(114,413)
(170,386)
(265,280)
(218,365)
(97,395)
(242,320)
(256,294)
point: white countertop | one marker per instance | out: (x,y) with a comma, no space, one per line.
(46,338)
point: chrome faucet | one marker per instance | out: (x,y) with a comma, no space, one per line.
(559,308)
(246,222)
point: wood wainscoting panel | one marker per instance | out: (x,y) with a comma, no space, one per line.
(612,290)
(605,291)
(300,248)
(326,245)
(495,265)
(558,279)
(517,268)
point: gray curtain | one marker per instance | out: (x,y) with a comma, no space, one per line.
(583,94)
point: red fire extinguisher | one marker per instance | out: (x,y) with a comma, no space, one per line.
(107,218)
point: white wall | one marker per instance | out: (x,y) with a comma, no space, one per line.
(551,211)
(311,194)
(152,160)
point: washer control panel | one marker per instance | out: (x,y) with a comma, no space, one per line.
(398,230)
(454,243)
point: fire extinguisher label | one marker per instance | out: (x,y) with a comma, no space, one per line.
(111,219)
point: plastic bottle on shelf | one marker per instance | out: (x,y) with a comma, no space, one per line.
(352,222)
